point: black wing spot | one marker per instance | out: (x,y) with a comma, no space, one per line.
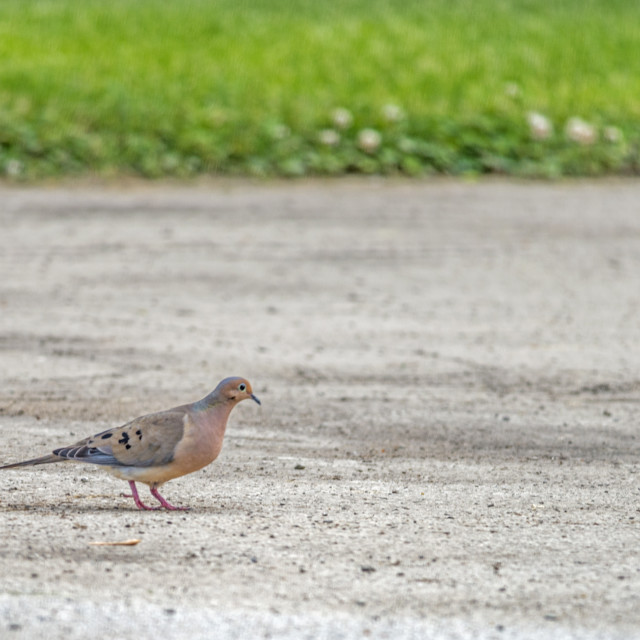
(128,446)
(92,450)
(124,439)
(107,435)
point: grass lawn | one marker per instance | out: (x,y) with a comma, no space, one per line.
(524,87)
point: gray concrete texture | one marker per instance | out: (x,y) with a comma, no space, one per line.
(448,443)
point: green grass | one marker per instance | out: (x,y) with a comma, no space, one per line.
(178,88)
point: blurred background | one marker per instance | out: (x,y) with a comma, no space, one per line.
(296,87)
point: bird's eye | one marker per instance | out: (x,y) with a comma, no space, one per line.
(242,386)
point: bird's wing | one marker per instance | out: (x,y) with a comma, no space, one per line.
(148,441)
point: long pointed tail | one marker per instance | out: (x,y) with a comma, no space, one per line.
(30,463)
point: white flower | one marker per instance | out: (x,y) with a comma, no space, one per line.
(539,125)
(612,134)
(329,137)
(392,113)
(13,168)
(342,118)
(580,131)
(512,90)
(369,140)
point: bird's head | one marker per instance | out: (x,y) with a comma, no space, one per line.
(236,389)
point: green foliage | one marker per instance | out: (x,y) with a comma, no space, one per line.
(434,86)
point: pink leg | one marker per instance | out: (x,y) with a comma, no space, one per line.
(136,498)
(163,502)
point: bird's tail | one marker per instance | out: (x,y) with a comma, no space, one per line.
(29,463)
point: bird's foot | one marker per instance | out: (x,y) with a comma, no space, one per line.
(136,498)
(142,505)
(167,505)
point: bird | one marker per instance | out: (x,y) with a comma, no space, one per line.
(159,447)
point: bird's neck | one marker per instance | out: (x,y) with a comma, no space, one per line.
(211,409)
(209,402)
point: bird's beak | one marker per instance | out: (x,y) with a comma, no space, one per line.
(255,398)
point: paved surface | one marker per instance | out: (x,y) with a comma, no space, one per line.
(448,445)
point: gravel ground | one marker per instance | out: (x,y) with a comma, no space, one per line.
(448,443)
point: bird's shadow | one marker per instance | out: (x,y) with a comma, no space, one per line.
(67,508)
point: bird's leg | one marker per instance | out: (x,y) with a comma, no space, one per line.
(136,498)
(156,494)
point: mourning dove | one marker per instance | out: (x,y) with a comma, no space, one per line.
(160,446)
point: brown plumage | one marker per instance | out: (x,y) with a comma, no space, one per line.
(160,446)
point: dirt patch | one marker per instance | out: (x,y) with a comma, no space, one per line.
(448,442)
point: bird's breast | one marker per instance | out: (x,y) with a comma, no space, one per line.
(202,440)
